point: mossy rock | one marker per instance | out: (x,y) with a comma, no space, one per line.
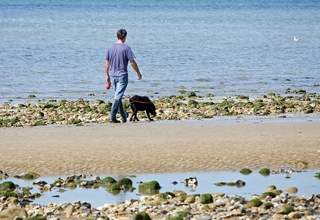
(7,186)
(255,202)
(206,198)
(4,193)
(267,205)
(191,94)
(271,194)
(220,183)
(317,175)
(109,180)
(163,196)
(245,171)
(286,209)
(126,183)
(243,97)
(141,216)
(264,171)
(151,187)
(31,96)
(29,176)
(114,188)
(8,121)
(38,217)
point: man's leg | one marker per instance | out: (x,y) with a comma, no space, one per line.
(123,82)
(115,104)
(120,85)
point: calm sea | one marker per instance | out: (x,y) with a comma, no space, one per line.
(56,48)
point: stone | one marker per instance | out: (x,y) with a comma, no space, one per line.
(190,199)
(151,187)
(7,186)
(294,215)
(245,171)
(108,180)
(264,171)
(285,209)
(255,202)
(29,176)
(141,216)
(292,190)
(13,212)
(206,198)
(125,183)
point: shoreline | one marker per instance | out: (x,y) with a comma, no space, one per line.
(161,147)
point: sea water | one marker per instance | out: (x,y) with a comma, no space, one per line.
(255,184)
(55,49)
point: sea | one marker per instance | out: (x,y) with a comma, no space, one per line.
(55,49)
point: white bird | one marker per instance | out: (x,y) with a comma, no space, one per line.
(295,39)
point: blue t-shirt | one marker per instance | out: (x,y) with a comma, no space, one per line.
(119,55)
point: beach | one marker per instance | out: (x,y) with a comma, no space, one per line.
(157,147)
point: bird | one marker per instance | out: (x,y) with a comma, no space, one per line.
(295,39)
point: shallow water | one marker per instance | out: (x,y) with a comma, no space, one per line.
(55,49)
(306,183)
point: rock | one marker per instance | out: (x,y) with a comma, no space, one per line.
(13,212)
(255,202)
(37,217)
(29,176)
(206,198)
(264,172)
(292,189)
(180,195)
(267,205)
(190,199)
(68,210)
(108,180)
(141,216)
(285,209)
(7,186)
(191,182)
(271,188)
(240,183)
(245,171)
(294,215)
(114,188)
(151,187)
(125,183)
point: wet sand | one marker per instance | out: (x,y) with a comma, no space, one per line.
(159,147)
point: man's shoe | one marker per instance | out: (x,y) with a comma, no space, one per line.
(114,121)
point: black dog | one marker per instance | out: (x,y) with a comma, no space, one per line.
(141,103)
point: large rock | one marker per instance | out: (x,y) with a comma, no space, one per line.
(141,216)
(206,198)
(151,187)
(12,213)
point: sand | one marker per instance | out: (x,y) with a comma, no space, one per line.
(159,147)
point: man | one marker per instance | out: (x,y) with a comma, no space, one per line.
(117,59)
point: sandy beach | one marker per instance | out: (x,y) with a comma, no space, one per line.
(159,147)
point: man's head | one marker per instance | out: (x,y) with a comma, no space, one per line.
(122,35)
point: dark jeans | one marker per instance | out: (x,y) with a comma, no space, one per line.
(119,84)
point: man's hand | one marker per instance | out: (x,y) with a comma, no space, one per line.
(134,65)
(108,84)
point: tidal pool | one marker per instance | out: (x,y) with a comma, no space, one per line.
(305,181)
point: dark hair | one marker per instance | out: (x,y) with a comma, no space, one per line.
(121,34)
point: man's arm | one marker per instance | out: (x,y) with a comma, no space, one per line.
(107,76)
(134,66)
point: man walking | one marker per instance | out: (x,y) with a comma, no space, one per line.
(116,70)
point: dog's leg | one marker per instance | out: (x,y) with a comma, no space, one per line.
(135,116)
(133,110)
(148,114)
